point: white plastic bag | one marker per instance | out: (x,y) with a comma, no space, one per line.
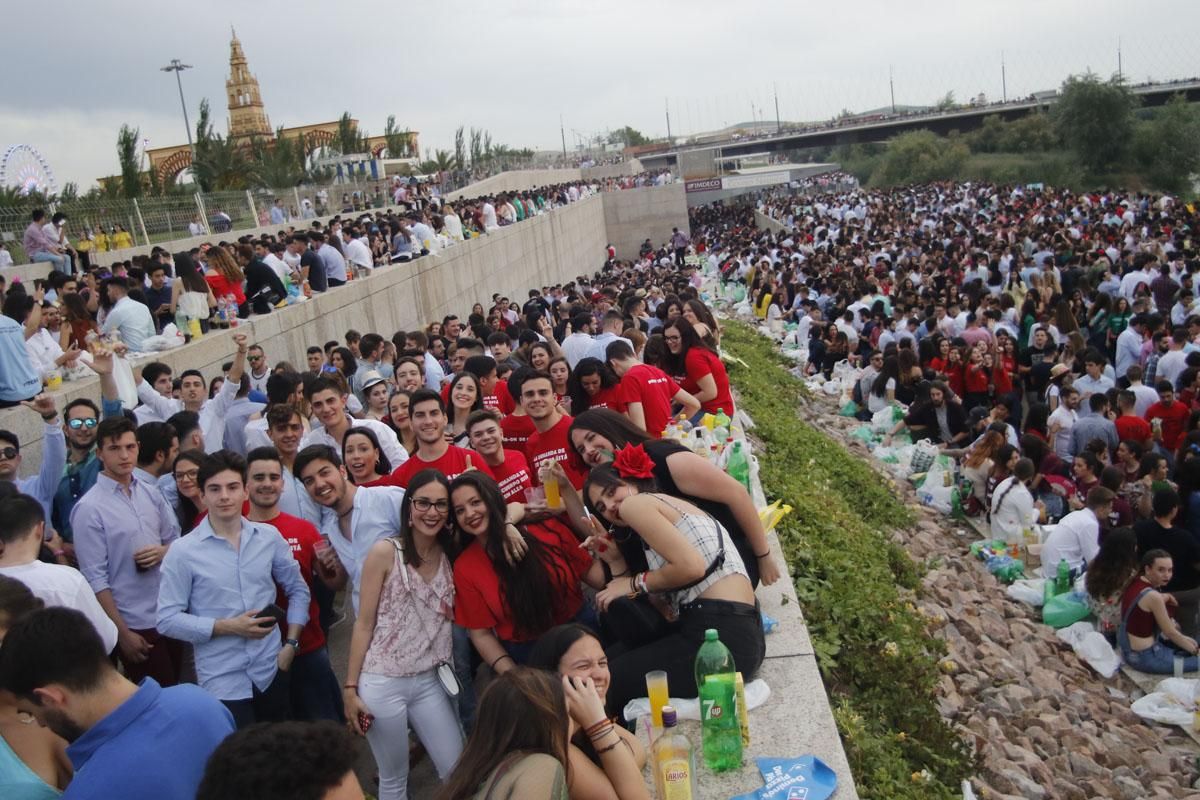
(1170,703)
(925,454)
(126,388)
(882,421)
(757,693)
(1092,647)
(1030,591)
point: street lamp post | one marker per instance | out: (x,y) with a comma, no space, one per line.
(177,67)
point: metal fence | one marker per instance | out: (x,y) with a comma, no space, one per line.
(149,220)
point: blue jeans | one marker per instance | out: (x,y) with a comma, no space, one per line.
(465,662)
(315,692)
(59,261)
(1158,659)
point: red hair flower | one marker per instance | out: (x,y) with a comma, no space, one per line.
(631,461)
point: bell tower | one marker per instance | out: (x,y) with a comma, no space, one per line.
(247,119)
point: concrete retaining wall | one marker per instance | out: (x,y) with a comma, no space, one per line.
(553,248)
(635,214)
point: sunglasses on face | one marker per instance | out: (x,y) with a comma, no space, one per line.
(86,422)
(8,453)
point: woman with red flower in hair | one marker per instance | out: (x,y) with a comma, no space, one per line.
(693,573)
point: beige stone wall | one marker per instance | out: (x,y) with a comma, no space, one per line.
(553,248)
(634,214)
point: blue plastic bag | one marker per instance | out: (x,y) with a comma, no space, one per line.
(803,778)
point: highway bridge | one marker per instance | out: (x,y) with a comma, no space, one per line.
(878,129)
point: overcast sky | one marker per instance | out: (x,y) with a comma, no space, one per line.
(514,69)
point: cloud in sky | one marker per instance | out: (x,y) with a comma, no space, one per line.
(514,68)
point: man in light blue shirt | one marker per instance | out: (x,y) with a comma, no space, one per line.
(127,317)
(353,517)
(218,592)
(18,379)
(135,742)
(122,528)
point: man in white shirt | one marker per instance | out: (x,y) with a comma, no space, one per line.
(45,352)
(357,253)
(613,324)
(352,517)
(1062,421)
(1093,381)
(576,345)
(1146,396)
(22,535)
(260,369)
(127,317)
(193,393)
(329,408)
(1174,361)
(1076,538)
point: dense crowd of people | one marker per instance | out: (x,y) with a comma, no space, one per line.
(492,493)
(1048,341)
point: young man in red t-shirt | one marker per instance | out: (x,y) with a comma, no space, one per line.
(1174,416)
(495,391)
(315,693)
(509,467)
(648,391)
(1131,427)
(549,442)
(428,415)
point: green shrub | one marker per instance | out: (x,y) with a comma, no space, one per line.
(874,648)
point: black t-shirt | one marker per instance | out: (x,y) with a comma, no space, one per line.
(318,281)
(1041,360)
(1185,553)
(258,277)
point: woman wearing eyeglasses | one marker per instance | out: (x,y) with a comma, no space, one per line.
(401,636)
(189,508)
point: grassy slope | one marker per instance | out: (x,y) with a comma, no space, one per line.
(879,664)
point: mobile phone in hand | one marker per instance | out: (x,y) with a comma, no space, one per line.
(274,613)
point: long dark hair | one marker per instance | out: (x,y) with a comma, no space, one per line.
(445,536)
(607,477)
(1115,564)
(526,585)
(688,338)
(382,465)
(348,360)
(608,423)
(554,644)
(185,510)
(188,274)
(580,400)
(522,711)
(478,404)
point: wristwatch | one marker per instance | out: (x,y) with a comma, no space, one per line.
(295,643)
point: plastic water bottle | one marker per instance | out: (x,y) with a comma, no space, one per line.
(716,683)
(232,309)
(722,420)
(221,312)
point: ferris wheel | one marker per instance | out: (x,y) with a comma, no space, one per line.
(24,167)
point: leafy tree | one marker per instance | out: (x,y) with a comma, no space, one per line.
(460,149)
(919,157)
(1167,146)
(947,103)
(1094,118)
(396,139)
(131,176)
(278,164)
(628,136)
(349,138)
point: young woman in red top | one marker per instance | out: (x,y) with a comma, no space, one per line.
(975,381)
(225,277)
(1146,620)
(593,384)
(697,368)
(507,606)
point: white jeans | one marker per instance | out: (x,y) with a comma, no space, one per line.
(418,700)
